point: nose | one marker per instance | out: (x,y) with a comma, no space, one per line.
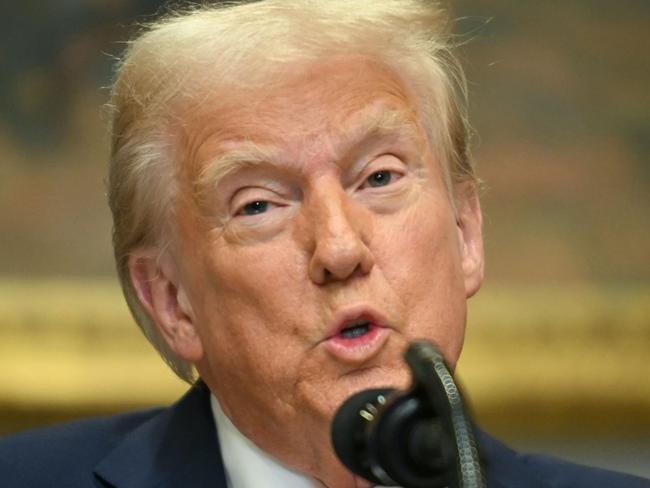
(340,231)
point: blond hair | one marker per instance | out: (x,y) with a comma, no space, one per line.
(178,62)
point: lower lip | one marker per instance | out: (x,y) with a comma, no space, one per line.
(357,349)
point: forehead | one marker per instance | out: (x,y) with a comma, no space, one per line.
(313,108)
(333,92)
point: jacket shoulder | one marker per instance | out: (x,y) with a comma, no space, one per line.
(506,468)
(557,473)
(64,455)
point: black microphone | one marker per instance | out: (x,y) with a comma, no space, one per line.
(421,438)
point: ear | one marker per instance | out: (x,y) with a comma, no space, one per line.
(470,232)
(155,277)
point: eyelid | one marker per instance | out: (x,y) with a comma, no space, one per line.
(247,195)
(385,162)
(239,211)
(395,177)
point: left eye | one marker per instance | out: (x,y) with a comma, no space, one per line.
(379,178)
(255,208)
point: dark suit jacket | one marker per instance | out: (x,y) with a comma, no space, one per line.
(178,447)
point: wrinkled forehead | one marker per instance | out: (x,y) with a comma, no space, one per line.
(326,105)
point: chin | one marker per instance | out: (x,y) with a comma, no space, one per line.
(370,377)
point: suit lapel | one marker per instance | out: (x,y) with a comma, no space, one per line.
(177,447)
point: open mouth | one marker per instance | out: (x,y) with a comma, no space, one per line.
(358,334)
(356,328)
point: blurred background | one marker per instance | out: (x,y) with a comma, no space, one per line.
(557,357)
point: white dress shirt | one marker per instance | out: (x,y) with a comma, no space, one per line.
(247,466)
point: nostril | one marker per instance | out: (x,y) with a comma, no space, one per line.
(339,258)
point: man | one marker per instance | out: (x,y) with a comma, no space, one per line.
(293,204)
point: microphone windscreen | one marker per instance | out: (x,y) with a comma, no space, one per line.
(349,431)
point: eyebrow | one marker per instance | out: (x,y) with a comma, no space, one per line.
(248,154)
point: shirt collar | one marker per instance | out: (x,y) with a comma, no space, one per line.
(246,465)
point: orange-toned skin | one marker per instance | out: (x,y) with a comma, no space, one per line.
(252,299)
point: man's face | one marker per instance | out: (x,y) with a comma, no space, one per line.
(307,271)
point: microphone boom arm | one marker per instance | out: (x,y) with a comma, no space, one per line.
(431,374)
(420,438)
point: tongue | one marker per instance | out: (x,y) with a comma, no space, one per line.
(356,331)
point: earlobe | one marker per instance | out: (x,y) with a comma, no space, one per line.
(470,230)
(155,278)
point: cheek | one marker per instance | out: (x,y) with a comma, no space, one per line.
(423,268)
(421,244)
(250,300)
(249,324)
(237,278)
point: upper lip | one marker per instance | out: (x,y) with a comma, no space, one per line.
(345,317)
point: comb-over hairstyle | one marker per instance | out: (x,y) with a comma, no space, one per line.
(190,63)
